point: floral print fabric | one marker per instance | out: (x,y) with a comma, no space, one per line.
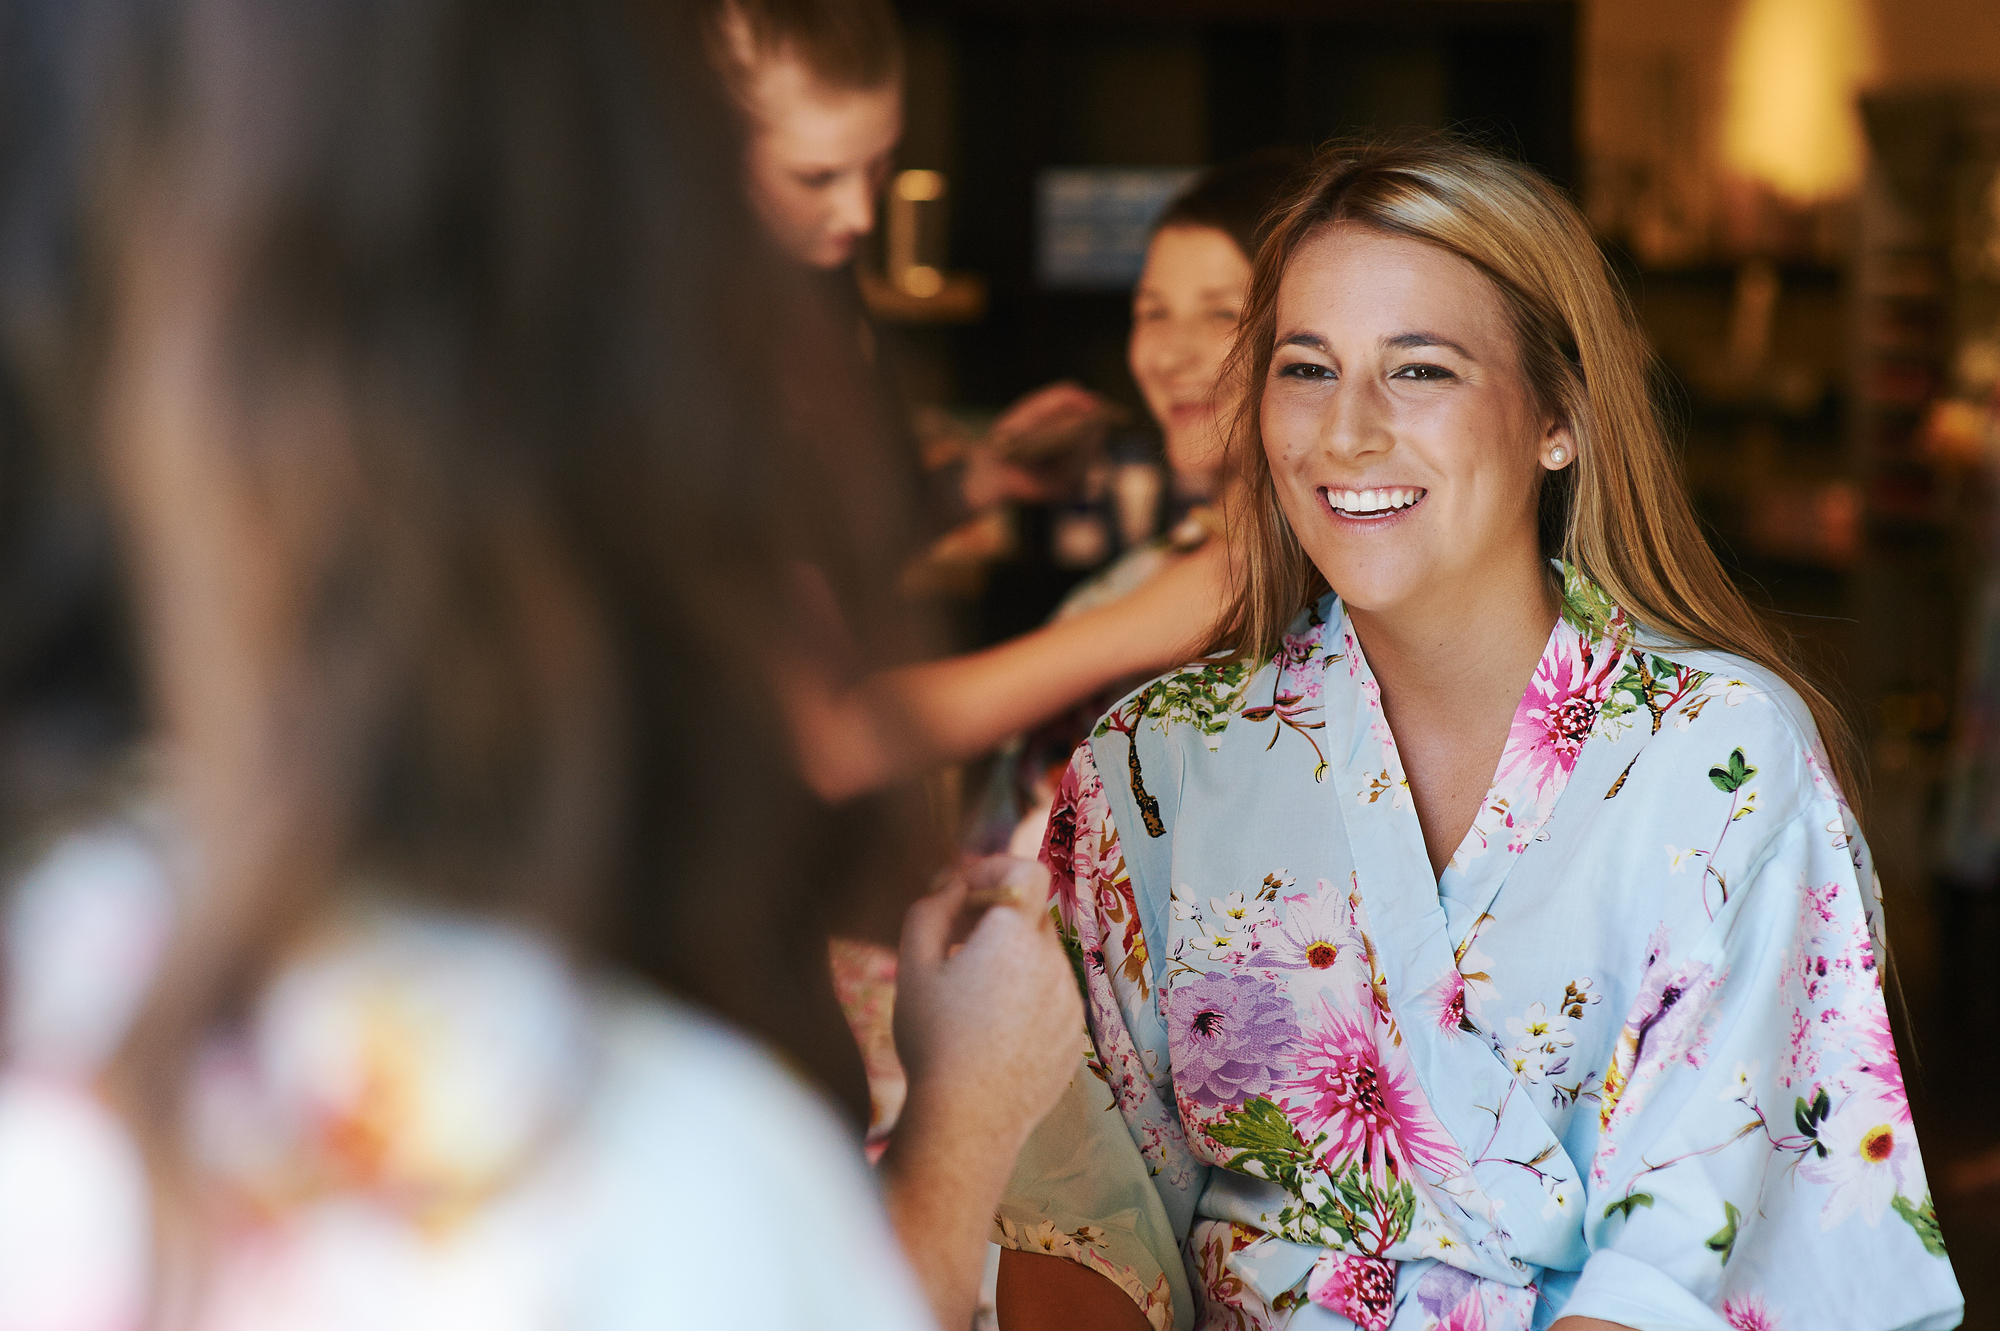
(1626,1057)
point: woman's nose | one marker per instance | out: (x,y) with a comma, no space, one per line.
(1356,419)
(853,204)
(1177,351)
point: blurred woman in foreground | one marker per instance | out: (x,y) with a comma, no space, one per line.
(436,384)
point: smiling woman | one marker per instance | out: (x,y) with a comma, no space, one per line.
(1486,942)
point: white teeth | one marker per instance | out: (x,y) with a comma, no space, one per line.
(1373,501)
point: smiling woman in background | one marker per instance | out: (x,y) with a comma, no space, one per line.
(1487,943)
(1167,593)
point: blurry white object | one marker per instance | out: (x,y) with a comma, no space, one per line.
(83,936)
(433,1123)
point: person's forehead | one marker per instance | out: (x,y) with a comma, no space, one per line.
(1192,247)
(806,122)
(1359,273)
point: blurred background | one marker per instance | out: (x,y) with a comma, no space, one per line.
(1804,199)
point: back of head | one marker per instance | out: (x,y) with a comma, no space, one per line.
(466,488)
(1621,512)
(1236,197)
(844,44)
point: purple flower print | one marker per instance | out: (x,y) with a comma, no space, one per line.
(1225,1033)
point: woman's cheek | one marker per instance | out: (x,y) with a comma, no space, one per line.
(1286,430)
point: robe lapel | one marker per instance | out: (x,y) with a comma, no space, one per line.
(1521,1202)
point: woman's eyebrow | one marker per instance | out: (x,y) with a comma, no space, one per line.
(1310,340)
(1407,341)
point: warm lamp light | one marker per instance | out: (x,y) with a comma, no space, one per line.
(1794,69)
(920,186)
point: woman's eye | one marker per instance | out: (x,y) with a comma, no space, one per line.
(1229,317)
(1305,369)
(1423,373)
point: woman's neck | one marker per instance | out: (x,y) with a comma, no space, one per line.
(1452,635)
(1452,670)
(1192,484)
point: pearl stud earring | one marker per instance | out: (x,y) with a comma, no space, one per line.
(1558,455)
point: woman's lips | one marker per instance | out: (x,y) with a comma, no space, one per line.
(1189,413)
(1379,504)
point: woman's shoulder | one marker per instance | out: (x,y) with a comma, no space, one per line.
(705,1141)
(672,1067)
(1192,706)
(1715,704)
(1752,696)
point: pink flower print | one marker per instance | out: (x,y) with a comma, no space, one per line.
(1361,1289)
(1366,1104)
(1468,1314)
(1301,664)
(1226,1033)
(1448,994)
(1558,712)
(1748,1314)
(1879,1064)
(1059,842)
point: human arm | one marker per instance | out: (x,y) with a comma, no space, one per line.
(1037,449)
(1757,1163)
(987,1033)
(964,705)
(851,738)
(1038,1292)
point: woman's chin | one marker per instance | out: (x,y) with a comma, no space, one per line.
(1191,460)
(1377,586)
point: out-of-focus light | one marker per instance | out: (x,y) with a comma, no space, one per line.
(920,186)
(922,280)
(1794,69)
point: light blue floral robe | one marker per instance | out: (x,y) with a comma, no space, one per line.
(1627,1057)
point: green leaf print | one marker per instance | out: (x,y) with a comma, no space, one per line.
(1205,697)
(1626,1205)
(1810,1116)
(1072,947)
(1923,1218)
(1730,779)
(1724,1240)
(1267,1146)
(1584,604)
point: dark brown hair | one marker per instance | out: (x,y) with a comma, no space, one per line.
(470,579)
(1620,513)
(846,44)
(1236,197)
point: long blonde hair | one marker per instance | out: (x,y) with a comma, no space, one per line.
(1620,513)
